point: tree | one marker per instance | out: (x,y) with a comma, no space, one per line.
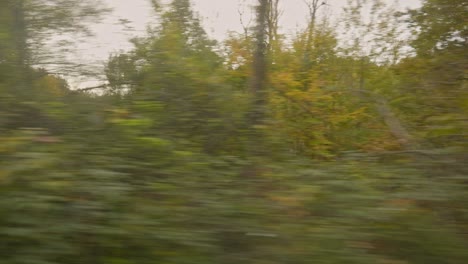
(45,20)
(176,71)
(374,44)
(436,76)
(259,74)
(439,24)
(178,163)
(26,26)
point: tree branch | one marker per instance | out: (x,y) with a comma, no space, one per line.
(91,88)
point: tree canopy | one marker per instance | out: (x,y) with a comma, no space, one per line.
(262,148)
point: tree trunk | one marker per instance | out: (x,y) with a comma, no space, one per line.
(257,113)
(259,66)
(22,67)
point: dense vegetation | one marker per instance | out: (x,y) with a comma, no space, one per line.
(260,149)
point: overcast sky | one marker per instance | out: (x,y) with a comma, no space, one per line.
(218,16)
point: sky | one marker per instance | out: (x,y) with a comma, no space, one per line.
(218,17)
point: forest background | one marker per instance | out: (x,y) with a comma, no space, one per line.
(335,145)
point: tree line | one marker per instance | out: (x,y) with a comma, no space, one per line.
(322,147)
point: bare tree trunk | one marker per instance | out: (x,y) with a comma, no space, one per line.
(257,115)
(394,124)
(259,66)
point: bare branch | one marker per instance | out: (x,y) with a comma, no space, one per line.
(102,86)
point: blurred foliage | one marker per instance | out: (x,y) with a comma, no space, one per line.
(365,161)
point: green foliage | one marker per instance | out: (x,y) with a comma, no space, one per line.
(160,168)
(439,24)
